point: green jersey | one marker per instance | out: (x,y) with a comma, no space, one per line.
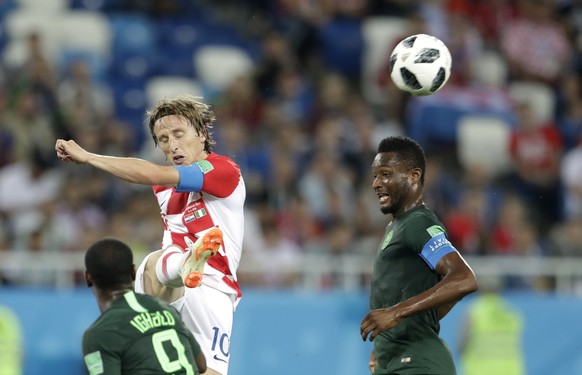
(404,267)
(139,334)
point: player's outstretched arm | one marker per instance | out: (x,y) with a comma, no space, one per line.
(133,170)
(457,281)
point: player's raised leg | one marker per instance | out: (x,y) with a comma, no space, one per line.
(192,266)
(165,272)
(148,282)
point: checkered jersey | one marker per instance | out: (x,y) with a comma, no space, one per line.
(219,203)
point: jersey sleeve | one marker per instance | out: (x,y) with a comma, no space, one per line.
(98,356)
(429,239)
(218,176)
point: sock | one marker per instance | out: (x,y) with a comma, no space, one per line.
(168,267)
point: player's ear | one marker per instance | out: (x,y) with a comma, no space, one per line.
(133,272)
(415,175)
(88,279)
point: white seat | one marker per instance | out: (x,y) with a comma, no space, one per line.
(217,66)
(484,141)
(86,31)
(490,70)
(59,31)
(20,24)
(161,87)
(43,6)
(539,96)
(379,34)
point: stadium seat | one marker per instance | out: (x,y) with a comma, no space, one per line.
(98,66)
(19,25)
(484,140)
(160,87)
(6,7)
(538,95)
(132,67)
(490,70)
(132,34)
(86,31)
(217,65)
(342,45)
(43,6)
(133,47)
(94,5)
(379,33)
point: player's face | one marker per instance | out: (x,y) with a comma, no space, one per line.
(179,140)
(392,183)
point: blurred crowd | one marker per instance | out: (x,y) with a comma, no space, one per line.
(304,133)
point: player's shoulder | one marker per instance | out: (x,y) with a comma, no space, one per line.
(152,303)
(422,217)
(215,158)
(104,329)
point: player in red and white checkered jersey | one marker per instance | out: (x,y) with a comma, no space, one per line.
(201,198)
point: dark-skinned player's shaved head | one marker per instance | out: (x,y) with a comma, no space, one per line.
(408,151)
(110,263)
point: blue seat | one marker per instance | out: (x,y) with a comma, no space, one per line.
(174,60)
(132,34)
(98,64)
(94,5)
(342,43)
(130,105)
(132,66)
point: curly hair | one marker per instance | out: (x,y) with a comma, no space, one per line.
(198,114)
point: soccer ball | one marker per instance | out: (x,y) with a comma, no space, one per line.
(420,65)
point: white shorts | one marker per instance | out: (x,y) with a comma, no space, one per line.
(208,314)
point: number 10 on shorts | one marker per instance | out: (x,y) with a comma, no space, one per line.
(221,341)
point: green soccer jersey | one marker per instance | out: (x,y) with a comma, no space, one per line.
(139,334)
(403,269)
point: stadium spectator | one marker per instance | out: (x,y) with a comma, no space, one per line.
(536,150)
(571,170)
(535,45)
(11,343)
(273,259)
(492,333)
(569,111)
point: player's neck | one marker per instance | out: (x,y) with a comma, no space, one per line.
(106,297)
(418,201)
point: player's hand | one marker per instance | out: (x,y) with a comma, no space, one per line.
(71,151)
(377,321)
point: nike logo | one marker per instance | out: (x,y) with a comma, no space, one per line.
(219,359)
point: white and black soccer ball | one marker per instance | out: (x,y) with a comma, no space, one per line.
(420,64)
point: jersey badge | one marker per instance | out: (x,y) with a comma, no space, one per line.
(94,363)
(205,166)
(386,241)
(435,230)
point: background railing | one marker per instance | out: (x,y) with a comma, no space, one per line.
(315,271)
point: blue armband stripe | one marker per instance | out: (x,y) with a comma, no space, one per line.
(436,248)
(191,178)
